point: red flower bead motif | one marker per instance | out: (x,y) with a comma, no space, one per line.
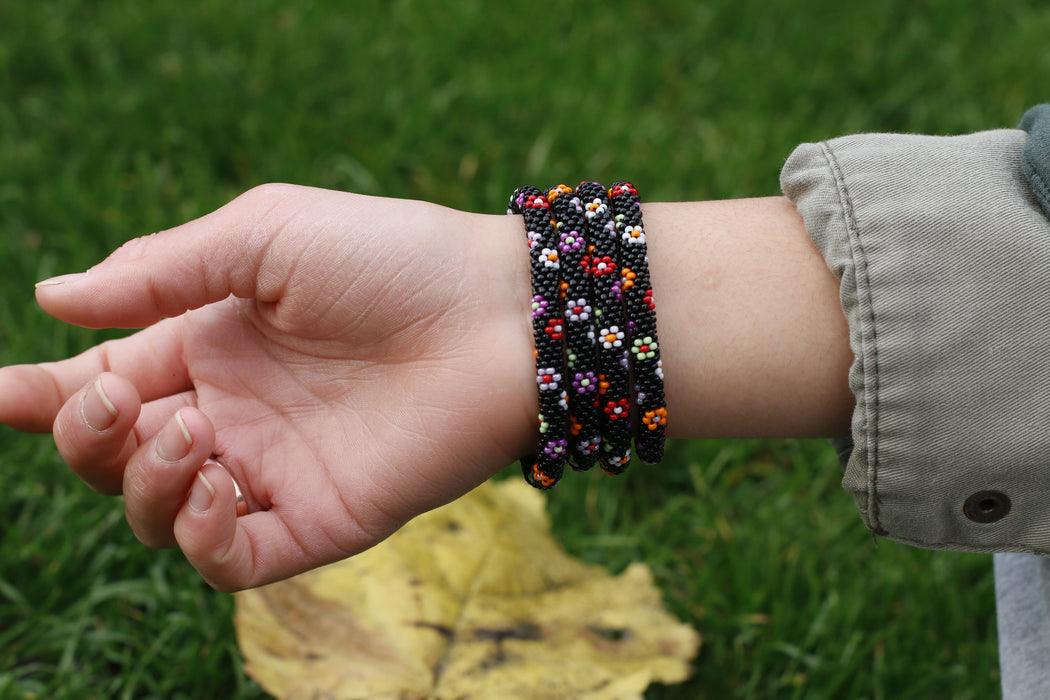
(537,202)
(623,188)
(618,409)
(555,329)
(598,265)
(648,299)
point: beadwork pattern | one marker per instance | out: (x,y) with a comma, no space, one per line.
(581,359)
(598,362)
(641,322)
(612,402)
(544,469)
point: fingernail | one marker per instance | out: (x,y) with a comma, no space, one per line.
(174,441)
(61,279)
(201,494)
(96,409)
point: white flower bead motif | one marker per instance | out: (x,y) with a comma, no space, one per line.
(633,235)
(549,258)
(595,208)
(611,337)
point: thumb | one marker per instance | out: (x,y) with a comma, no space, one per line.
(168,273)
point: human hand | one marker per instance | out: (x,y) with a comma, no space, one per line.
(352,361)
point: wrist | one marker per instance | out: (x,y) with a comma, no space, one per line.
(503,287)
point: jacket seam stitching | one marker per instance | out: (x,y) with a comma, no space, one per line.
(871,392)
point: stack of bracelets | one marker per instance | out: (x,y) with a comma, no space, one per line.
(597,356)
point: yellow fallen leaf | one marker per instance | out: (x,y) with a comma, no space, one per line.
(473,600)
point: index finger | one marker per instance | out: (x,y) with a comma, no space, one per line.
(152,359)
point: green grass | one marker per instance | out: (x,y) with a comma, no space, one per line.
(119,118)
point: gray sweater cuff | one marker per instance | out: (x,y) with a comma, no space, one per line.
(944,262)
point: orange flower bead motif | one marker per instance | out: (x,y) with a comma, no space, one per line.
(656,418)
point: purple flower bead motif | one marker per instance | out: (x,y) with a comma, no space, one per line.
(534,239)
(584,382)
(617,289)
(555,449)
(539,306)
(570,241)
(548,379)
(577,310)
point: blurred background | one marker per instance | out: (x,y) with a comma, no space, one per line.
(120,118)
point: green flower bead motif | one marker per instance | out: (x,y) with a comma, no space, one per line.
(644,348)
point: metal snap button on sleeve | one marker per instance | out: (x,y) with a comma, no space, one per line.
(987,506)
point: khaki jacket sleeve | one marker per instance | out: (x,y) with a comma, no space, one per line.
(944,261)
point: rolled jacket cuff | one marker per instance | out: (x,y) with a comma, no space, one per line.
(944,261)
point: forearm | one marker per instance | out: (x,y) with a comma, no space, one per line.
(753,339)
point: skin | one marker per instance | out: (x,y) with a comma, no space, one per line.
(354,361)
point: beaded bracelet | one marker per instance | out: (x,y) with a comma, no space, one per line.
(581,360)
(641,323)
(614,407)
(544,469)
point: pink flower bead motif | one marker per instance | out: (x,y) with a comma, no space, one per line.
(577,310)
(534,239)
(588,446)
(548,379)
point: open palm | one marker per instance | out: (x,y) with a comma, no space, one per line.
(351,361)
